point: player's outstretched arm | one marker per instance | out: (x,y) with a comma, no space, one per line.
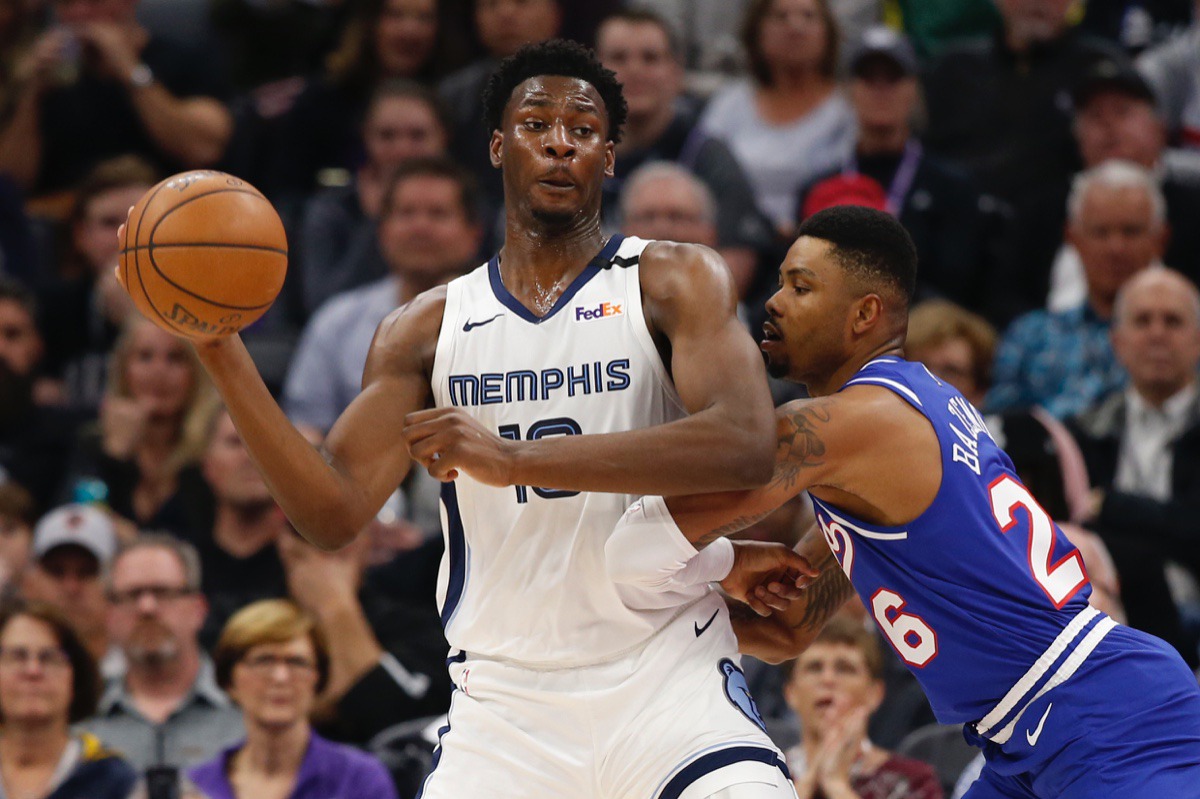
(724,444)
(330,493)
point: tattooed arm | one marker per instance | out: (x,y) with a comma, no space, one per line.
(800,461)
(784,635)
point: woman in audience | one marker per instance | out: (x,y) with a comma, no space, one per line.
(789,123)
(145,451)
(48,681)
(272,660)
(336,247)
(834,687)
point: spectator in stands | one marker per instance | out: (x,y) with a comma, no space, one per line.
(1142,447)
(834,687)
(146,449)
(84,308)
(503,26)
(642,50)
(387,651)
(948,219)
(664,201)
(999,108)
(959,347)
(789,122)
(47,682)
(1115,118)
(337,245)
(428,234)
(273,661)
(386,40)
(1173,69)
(235,534)
(1063,360)
(99,85)
(73,547)
(167,711)
(17,517)
(35,442)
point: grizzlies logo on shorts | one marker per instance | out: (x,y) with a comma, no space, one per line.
(737,690)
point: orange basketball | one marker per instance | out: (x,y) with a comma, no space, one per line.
(203,254)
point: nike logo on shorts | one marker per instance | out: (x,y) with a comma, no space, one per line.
(1032,737)
(700,630)
(469,326)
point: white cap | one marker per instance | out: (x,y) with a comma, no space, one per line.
(82,525)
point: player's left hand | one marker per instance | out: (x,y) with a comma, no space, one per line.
(446,441)
(767,576)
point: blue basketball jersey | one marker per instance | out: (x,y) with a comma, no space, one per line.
(982,595)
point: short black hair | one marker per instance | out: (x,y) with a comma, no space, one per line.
(555,57)
(869,244)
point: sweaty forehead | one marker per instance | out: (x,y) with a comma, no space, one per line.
(557,90)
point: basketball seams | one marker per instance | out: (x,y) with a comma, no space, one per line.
(207,307)
(210,244)
(151,247)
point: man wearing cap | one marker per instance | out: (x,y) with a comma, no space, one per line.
(73,546)
(1001,108)
(1116,118)
(950,222)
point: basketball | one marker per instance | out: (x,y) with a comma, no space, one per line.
(203,254)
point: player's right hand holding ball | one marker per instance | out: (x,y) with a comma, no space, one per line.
(203,254)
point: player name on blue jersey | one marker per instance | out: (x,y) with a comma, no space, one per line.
(492,388)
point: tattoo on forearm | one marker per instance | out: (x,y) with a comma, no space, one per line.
(825,595)
(799,445)
(740,523)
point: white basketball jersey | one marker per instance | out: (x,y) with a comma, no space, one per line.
(523,577)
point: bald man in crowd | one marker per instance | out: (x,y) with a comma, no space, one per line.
(1142,447)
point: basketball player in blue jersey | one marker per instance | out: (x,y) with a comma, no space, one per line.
(921,513)
(566,366)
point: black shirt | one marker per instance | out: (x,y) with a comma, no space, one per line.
(94,118)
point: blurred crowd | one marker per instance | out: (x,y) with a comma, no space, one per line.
(164,632)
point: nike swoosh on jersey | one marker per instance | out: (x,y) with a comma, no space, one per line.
(1032,737)
(469,326)
(700,630)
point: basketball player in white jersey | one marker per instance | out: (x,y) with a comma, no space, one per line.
(597,366)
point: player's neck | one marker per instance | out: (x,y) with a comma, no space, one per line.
(834,382)
(535,258)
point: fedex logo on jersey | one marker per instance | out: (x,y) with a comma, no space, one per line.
(600,311)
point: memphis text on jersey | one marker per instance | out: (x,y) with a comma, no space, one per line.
(493,388)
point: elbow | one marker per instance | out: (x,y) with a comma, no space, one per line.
(329,532)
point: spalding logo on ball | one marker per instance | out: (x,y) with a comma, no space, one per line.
(203,254)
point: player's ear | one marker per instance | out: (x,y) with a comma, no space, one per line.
(496,148)
(610,159)
(868,312)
